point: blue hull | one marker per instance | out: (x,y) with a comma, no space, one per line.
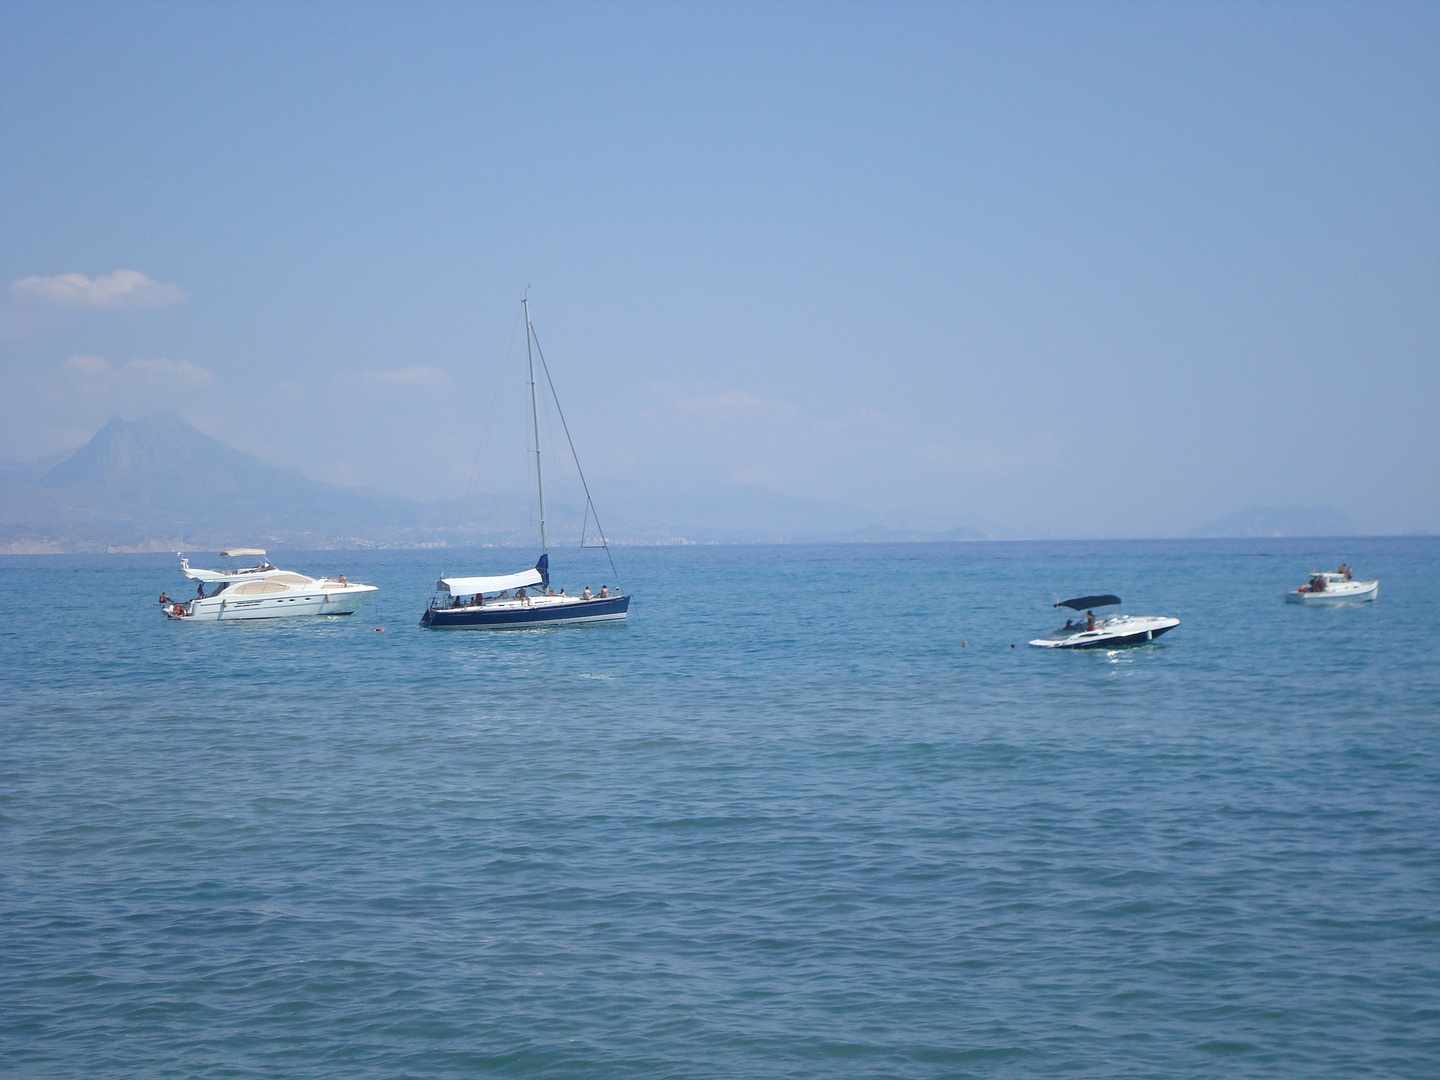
(612,607)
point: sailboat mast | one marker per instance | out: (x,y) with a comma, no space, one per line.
(535,416)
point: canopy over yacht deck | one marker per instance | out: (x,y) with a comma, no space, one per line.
(473,586)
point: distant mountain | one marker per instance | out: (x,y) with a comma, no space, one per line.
(1261,521)
(728,513)
(881,534)
(163,461)
(158,484)
(30,470)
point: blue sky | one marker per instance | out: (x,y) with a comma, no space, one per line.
(1096,269)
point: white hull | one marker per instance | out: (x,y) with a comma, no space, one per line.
(1336,593)
(338,600)
(1111,633)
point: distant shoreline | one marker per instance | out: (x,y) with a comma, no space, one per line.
(159,548)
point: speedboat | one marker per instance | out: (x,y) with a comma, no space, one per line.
(262,592)
(1336,588)
(461,603)
(1108,632)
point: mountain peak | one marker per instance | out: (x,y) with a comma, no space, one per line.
(155,458)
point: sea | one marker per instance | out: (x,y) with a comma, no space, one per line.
(813,811)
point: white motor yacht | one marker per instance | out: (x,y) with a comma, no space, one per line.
(1337,588)
(1107,632)
(262,592)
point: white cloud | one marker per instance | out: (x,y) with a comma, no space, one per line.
(718,405)
(951,456)
(179,373)
(759,476)
(123,288)
(87,364)
(95,373)
(410,376)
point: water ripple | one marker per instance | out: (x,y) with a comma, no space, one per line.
(788,836)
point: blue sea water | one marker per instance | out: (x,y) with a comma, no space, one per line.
(806,814)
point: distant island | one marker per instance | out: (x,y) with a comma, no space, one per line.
(1279,521)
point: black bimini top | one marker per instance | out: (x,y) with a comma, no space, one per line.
(1080,603)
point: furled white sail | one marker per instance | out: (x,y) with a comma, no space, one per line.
(468,586)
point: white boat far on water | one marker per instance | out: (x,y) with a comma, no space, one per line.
(261,592)
(1336,588)
(1107,632)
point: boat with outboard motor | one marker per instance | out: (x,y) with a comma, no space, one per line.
(262,592)
(461,603)
(1108,632)
(1337,588)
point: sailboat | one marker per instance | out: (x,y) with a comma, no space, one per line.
(525,600)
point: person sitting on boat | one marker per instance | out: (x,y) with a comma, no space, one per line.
(1089,620)
(522,596)
(1069,625)
(604,591)
(164,598)
(586,594)
(550,593)
(341,580)
(1344,571)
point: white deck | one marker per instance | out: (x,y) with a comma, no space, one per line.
(512,604)
(1114,628)
(1338,590)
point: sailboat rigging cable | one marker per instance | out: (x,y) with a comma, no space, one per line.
(589,502)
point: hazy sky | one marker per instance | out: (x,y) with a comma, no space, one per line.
(1082,269)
